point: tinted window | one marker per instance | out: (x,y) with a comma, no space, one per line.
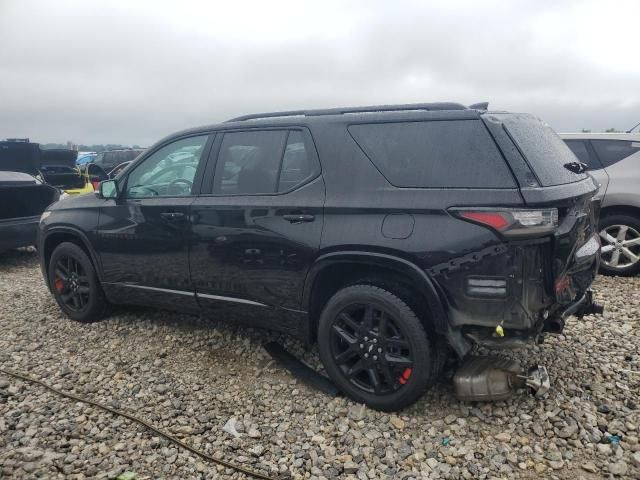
(580,150)
(168,172)
(249,162)
(438,154)
(298,165)
(612,151)
(542,148)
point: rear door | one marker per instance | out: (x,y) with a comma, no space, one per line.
(257,225)
(621,160)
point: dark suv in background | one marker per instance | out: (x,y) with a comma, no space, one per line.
(110,159)
(388,235)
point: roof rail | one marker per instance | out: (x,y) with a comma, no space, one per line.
(340,111)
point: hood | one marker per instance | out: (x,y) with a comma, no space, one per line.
(20,157)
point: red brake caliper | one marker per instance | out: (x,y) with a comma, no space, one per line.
(405,376)
(59,284)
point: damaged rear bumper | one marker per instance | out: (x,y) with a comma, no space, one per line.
(489,338)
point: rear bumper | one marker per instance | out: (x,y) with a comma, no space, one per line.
(18,232)
(519,293)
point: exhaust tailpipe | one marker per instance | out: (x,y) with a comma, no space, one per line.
(554,325)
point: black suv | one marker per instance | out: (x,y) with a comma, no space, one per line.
(110,159)
(388,235)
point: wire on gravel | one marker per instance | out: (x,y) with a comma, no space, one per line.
(120,413)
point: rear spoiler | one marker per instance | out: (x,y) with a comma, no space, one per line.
(479,106)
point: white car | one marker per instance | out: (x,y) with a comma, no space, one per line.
(613,159)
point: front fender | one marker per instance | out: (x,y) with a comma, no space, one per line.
(47,233)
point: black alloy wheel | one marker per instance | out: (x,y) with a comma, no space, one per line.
(375,348)
(71,283)
(370,349)
(74,283)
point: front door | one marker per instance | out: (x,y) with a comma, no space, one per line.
(257,226)
(143,236)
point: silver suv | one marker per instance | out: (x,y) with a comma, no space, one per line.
(614,161)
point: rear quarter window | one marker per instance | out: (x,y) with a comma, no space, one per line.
(545,152)
(434,154)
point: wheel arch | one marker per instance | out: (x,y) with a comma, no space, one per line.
(58,235)
(335,270)
(610,210)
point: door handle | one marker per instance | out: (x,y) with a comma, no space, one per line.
(299,218)
(172,215)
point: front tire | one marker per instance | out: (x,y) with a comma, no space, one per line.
(620,254)
(75,285)
(375,348)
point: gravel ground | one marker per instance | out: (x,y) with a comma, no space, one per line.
(190,376)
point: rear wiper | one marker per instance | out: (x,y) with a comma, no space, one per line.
(576,167)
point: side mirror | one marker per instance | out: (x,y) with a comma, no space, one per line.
(108,189)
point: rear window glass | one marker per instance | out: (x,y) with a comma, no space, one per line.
(612,151)
(434,154)
(542,148)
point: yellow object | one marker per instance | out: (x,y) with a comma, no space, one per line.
(500,331)
(88,188)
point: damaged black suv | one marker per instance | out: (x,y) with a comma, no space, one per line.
(388,235)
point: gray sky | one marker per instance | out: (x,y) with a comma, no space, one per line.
(128,71)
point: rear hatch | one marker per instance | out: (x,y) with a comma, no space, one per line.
(58,166)
(20,157)
(542,165)
(23,196)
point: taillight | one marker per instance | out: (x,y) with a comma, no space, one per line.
(512,223)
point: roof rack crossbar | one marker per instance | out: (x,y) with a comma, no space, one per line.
(339,111)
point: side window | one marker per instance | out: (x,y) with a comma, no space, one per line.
(580,150)
(263,163)
(612,151)
(248,162)
(109,161)
(434,154)
(168,172)
(298,165)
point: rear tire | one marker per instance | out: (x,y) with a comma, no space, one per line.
(75,285)
(618,234)
(375,348)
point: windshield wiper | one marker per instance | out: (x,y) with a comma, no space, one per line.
(576,167)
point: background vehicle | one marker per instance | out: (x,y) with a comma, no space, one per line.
(23,198)
(85,158)
(118,169)
(58,168)
(614,161)
(112,158)
(386,234)
(55,167)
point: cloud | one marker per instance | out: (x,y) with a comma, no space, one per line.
(131,72)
